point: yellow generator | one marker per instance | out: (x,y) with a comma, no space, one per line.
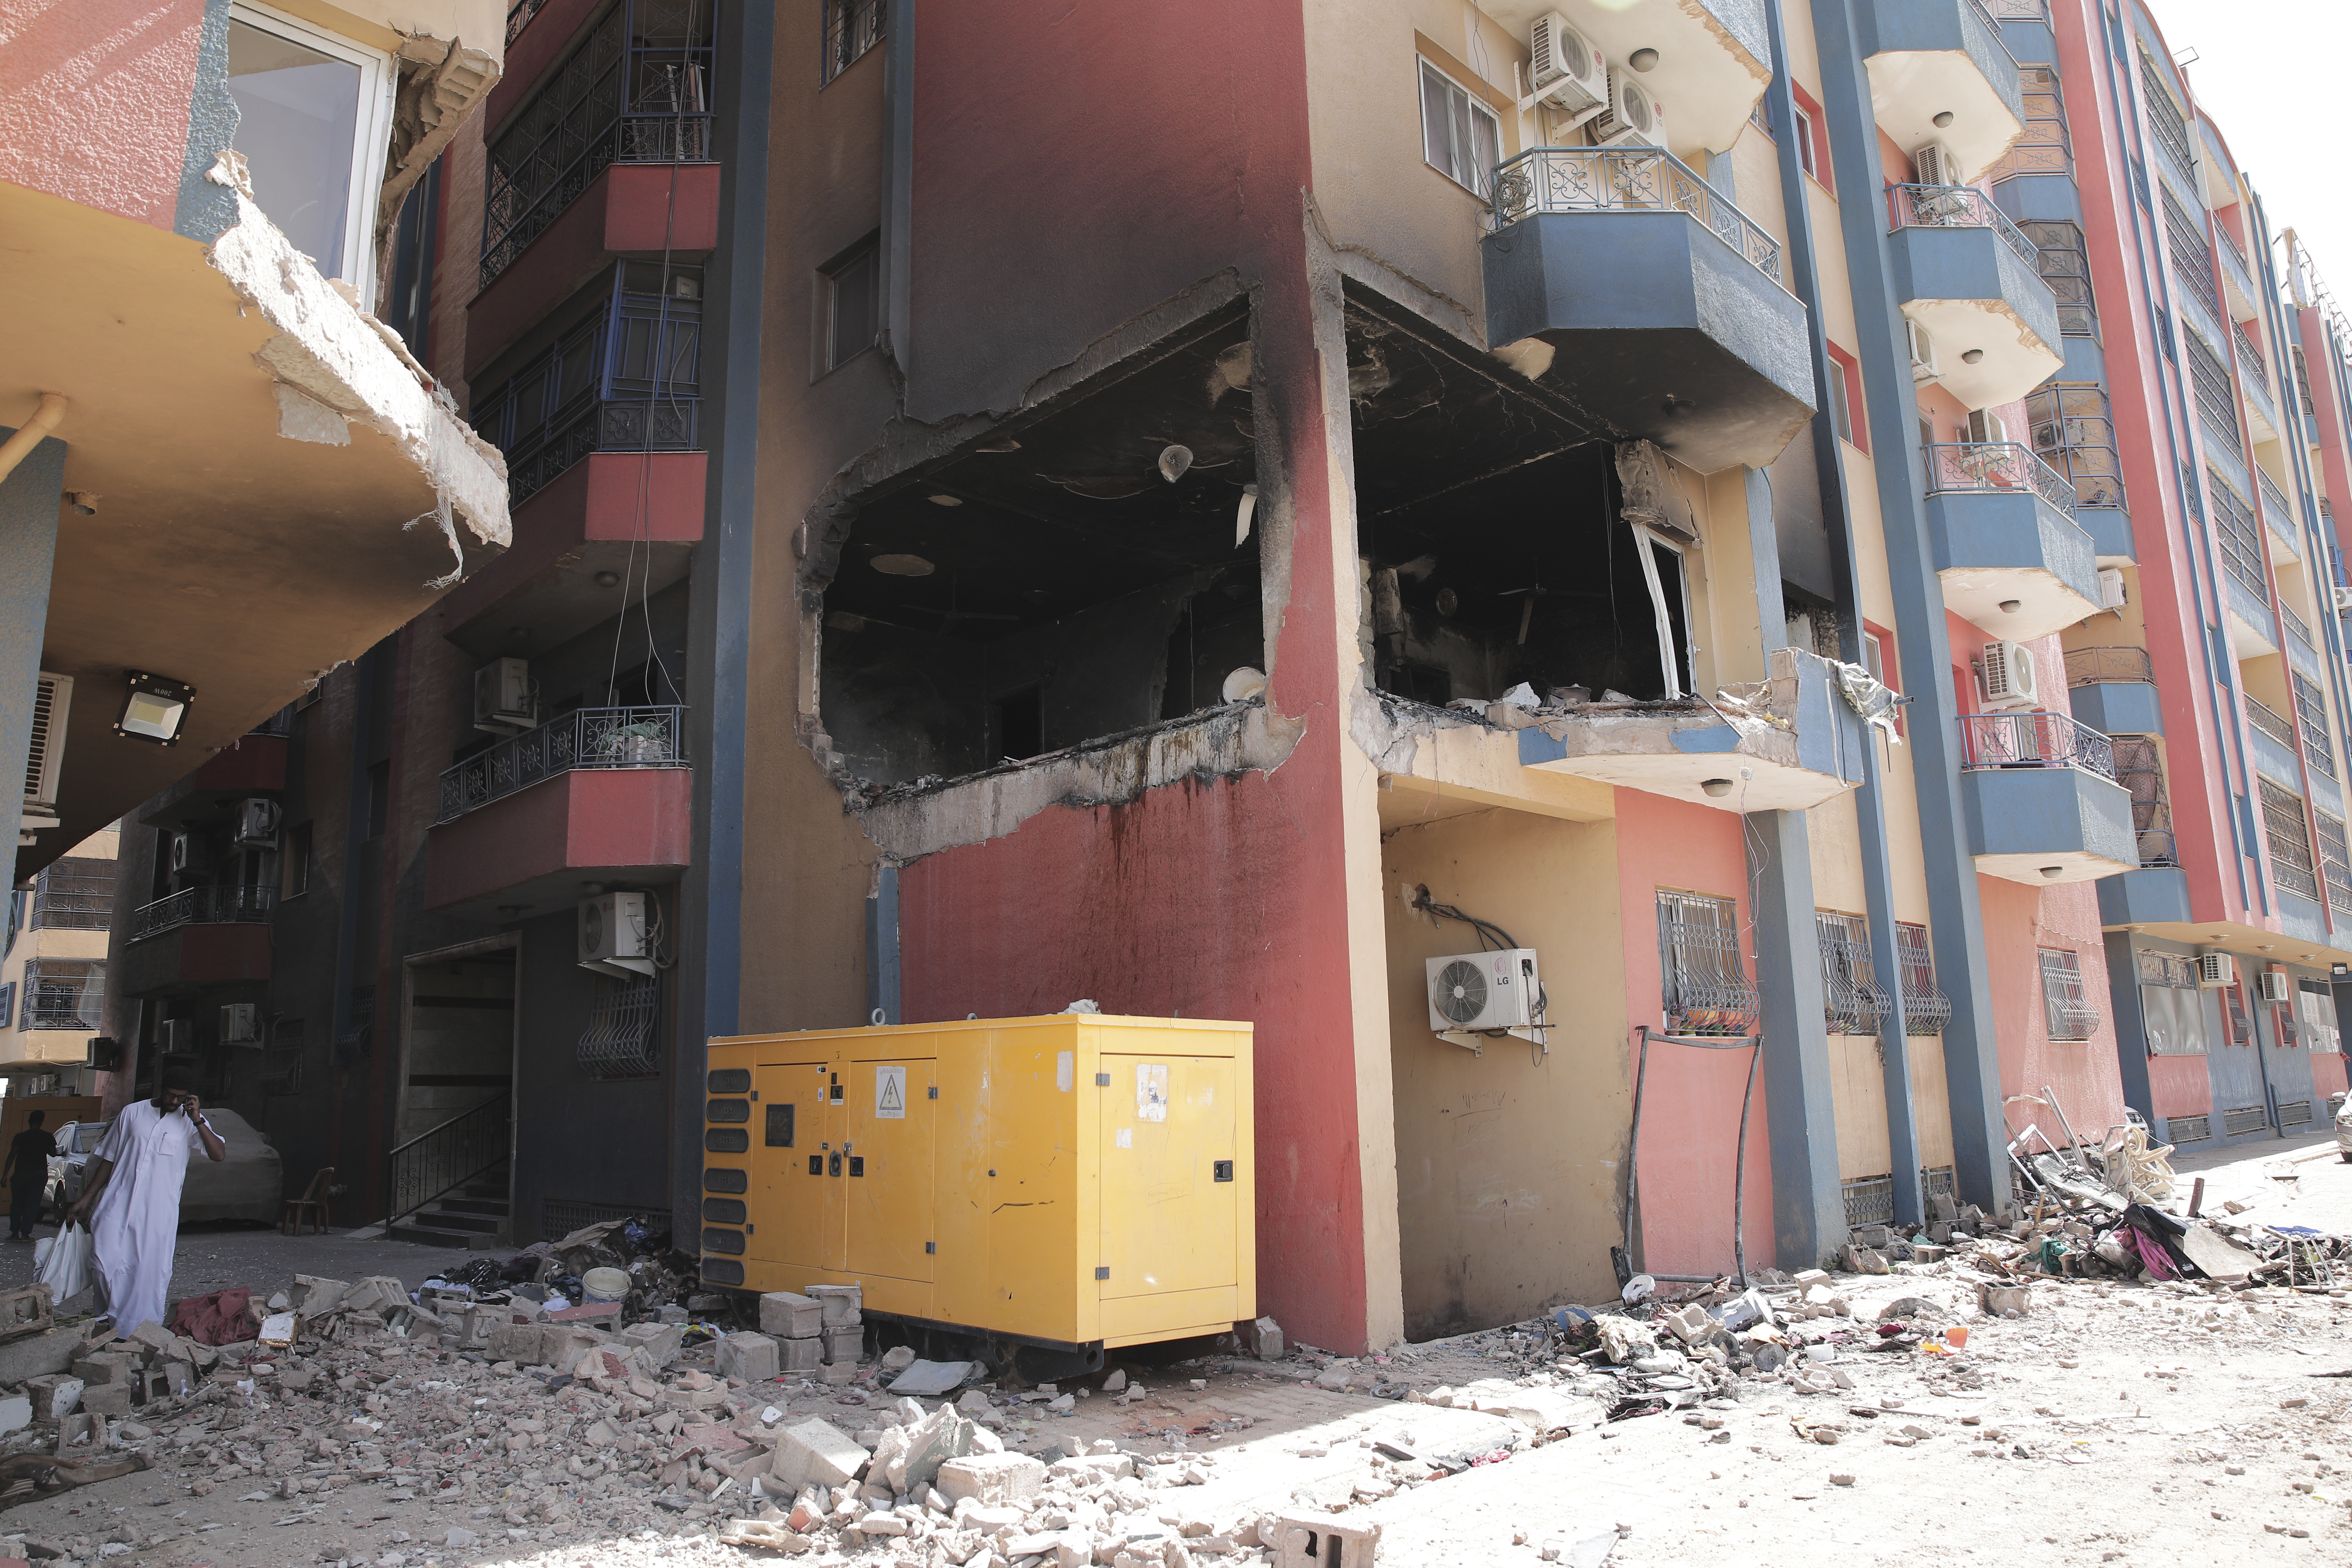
(1074,1182)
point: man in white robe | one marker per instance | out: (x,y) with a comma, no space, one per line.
(133,1187)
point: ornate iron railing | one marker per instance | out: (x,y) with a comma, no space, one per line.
(2274,506)
(2165,121)
(76,893)
(2293,866)
(2043,149)
(2250,358)
(1985,465)
(2100,665)
(518,15)
(1626,179)
(1851,1001)
(1957,206)
(2270,723)
(2036,740)
(636,91)
(2240,536)
(446,1158)
(204,907)
(1925,1008)
(584,737)
(2022,10)
(2311,713)
(2295,626)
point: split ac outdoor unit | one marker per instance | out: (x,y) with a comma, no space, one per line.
(1633,116)
(1985,427)
(1932,164)
(2111,588)
(1923,354)
(45,757)
(503,701)
(256,824)
(191,856)
(2011,679)
(2343,597)
(2276,986)
(1471,992)
(614,935)
(241,1024)
(1565,71)
(2216,971)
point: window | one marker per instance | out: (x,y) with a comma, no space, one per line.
(2192,258)
(1665,575)
(2060,257)
(2243,553)
(74,894)
(63,993)
(2314,1005)
(853,302)
(2335,862)
(1805,143)
(2311,719)
(1852,1004)
(2065,1008)
(1845,396)
(2172,1008)
(297,860)
(851,27)
(314,120)
(2165,120)
(1925,1008)
(2285,826)
(1705,979)
(1878,657)
(1812,146)
(8,1005)
(1459,135)
(416,238)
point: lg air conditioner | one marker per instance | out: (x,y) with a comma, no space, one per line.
(1923,354)
(1932,164)
(2216,971)
(504,703)
(1472,993)
(1565,71)
(616,935)
(1632,117)
(256,824)
(241,1024)
(2111,588)
(45,756)
(191,856)
(2011,679)
(2276,986)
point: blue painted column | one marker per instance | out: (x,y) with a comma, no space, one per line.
(29,498)
(1808,1206)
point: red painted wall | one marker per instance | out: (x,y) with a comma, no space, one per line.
(1691,1097)
(2327,1075)
(2181,1086)
(2019,921)
(589,818)
(94,99)
(596,499)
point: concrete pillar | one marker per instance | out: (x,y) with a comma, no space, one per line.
(29,498)
(1808,1208)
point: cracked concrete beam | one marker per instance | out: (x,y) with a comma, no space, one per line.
(439,86)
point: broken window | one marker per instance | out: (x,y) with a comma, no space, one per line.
(2066,1009)
(1089,571)
(313,124)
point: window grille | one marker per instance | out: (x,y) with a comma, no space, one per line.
(624,1027)
(281,1062)
(2192,258)
(2311,719)
(1869,1200)
(2302,384)
(636,91)
(2233,1014)
(2043,149)
(2060,257)
(2187,1129)
(2335,862)
(1925,1008)
(2244,1119)
(8,1008)
(2165,121)
(2167,969)
(851,27)
(2290,839)
(1938,1181)
(2217,400)
(1705,981)
(63,993)
(2274,505)
(2074,432)
(2065,1008)
(2140,768)
(74,894)
(2241,537)
(1853,1003)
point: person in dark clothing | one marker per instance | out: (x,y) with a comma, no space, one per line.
(27,1172)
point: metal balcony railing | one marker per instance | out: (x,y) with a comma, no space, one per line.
(2250,359)
(1957,206)
(1628,180)
(2274,506)
(2231,248)
(2102,665)
(2037,739)
(1991,466)
(518,15)
(470,1144)
(584,737)
(63,994)
(204,907)
(2296,628)
(2270,723)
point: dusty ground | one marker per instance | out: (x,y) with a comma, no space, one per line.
(2112,1424)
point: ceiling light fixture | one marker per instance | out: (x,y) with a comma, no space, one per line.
(607,579)
(940,498)
(1943,119)
(2053,872)
(1644,61)
(2011,607)
(155,708)
(1972,356)
(1716,789)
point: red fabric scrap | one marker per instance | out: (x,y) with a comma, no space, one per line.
(221,1318)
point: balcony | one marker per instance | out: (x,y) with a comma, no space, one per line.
(1972,280)
(2261,406)
(1787,743)
(198,938)
(1622,279)
(1927,58)
(2113,691)
(598,795)
(2273,738)
(2042,801)
(1713,56)
(2008,551)
(255,764)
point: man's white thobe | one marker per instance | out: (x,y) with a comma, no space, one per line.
(138,1220)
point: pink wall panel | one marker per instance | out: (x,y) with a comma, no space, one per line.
(94,99)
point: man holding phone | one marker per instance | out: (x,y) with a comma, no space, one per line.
(133,1188)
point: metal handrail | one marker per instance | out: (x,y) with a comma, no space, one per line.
(583,738)
(1982,465)
(2022,10)
(2269,722)
(2250,358)
(238,905)
(518,15)
(2100,665)
(2296,626)
(1957,206)
(2232,249)
(2036,740)
(1626,179)
(445,1158)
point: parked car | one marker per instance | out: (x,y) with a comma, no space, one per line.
(249,1185)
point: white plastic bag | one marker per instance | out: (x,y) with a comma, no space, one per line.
(62,1263)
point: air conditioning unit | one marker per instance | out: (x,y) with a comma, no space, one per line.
(1633,116)
(1473,992)
(1924,369)
(256,824)
(2343,597)
(2276,986)
(616,935)
(1985,427)
(2111,588)
(1565,71)
(191,856)
(2216,971)
(2011,679)
(1932,164)
(175,1034)
(241,1024)
(504,703)
(45,757)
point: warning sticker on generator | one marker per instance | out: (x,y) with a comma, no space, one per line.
(1151,1091)
(890,1093)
